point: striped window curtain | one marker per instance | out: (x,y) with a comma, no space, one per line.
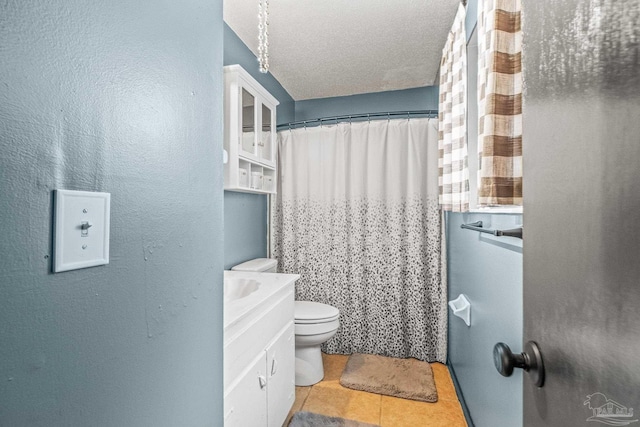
(452,120)
(500,103)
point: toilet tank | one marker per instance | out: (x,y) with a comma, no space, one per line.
(263,265)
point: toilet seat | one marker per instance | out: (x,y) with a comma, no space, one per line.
(308,312)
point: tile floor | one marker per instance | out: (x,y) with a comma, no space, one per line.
(328,397)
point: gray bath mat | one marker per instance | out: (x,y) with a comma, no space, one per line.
(406,378)
(309,419)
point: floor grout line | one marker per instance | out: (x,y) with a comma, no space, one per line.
(305,398)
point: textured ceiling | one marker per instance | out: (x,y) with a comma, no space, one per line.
(326,48)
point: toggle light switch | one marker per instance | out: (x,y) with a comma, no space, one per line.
(84,227)
(81,229)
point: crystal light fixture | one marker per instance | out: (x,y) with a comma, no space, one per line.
(263,35)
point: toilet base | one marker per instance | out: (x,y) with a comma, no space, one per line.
(309,367)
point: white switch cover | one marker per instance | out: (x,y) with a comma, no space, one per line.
(81,229)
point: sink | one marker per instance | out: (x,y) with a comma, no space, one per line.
(236,288)
(248,295)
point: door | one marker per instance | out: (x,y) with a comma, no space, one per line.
(582,210)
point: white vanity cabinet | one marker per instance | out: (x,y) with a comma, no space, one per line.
(263,394)
(249,133)
(259,352)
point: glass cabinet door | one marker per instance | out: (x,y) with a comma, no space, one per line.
(266,143)
(248,143)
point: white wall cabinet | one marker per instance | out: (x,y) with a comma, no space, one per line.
(249,133)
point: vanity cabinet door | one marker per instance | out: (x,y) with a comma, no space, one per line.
(245,404)
(281,374)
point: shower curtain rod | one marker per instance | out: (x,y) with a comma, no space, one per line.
(361,117)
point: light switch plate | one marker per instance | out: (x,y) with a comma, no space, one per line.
(81,229)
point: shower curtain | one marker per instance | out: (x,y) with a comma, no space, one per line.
(357,216)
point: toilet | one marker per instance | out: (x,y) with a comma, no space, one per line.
(315,323)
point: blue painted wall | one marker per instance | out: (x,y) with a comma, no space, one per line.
(245,215)
(422,98)
(488,270)
(245,229)
(124,97)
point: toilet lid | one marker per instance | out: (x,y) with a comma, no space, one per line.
(314,312)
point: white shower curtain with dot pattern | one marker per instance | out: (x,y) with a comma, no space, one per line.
(357,216)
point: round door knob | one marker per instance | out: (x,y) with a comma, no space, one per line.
(530,360)
(505,360)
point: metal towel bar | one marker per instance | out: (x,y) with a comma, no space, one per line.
(477,226)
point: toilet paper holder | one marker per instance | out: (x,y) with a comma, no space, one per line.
(461,308)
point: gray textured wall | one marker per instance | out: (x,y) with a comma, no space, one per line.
(123,97)
(488,270)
